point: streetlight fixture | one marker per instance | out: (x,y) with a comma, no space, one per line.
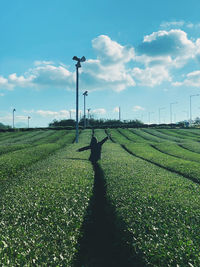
(159,114)
(171,110)
(85,94)
(191,106)
(78,65)
(14,118)
(28,120)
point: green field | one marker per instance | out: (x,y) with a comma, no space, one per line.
(138,206)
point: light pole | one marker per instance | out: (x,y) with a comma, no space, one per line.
(159,114)
(191,106)
(85,94)
(171,110)
(28,121)
(78,65)
(88,115)
(14,118)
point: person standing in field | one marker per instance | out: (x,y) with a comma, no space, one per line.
(95,147)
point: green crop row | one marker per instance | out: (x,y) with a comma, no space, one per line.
(157,213)
(177,151)
(43,209)
(146,135)
(164,135)
(13,162)
(146,151)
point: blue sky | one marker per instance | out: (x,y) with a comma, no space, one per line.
(141,56)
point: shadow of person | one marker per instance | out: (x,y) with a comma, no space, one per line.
(95,147)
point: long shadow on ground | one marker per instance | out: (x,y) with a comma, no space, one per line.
(102,244)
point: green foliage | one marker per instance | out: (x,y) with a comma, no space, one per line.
(43,209)
(157,211)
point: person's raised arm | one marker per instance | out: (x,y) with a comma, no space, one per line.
(104,140)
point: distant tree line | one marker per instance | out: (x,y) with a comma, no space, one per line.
(96,123)
(4,127)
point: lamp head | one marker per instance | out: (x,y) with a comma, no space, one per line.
(83,59)
(85,93)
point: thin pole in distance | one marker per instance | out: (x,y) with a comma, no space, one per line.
(78,65)
(14,118)
(85,94)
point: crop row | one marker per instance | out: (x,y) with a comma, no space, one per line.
(42,211)
(146,151)
(157,211)
(15,161)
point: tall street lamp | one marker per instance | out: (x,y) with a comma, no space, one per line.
(85,94)
(191,106)
(28,120)
(14,118)
(78,65)
(171,110)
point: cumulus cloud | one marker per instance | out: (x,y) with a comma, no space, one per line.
(157,55)
(111,52)
(151,76)
(173,43)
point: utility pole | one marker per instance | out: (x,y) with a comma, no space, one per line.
(78,65)
(119,114)
(14,118)
(85,94)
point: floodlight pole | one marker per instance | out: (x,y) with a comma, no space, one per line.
(14,118)
(119,114)
(78,65)
(85,94)
(191,106)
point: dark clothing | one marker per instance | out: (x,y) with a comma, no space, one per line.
(95,149)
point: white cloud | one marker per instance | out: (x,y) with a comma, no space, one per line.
(2,94)
(111,52)
(138,108)
(192,79)
(172,44)
(169,24)
(151,76)
(100,111)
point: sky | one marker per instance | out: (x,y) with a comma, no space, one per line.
(142,56)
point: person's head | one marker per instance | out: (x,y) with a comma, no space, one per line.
(93,141)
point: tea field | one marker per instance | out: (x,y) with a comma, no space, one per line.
(138,206)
